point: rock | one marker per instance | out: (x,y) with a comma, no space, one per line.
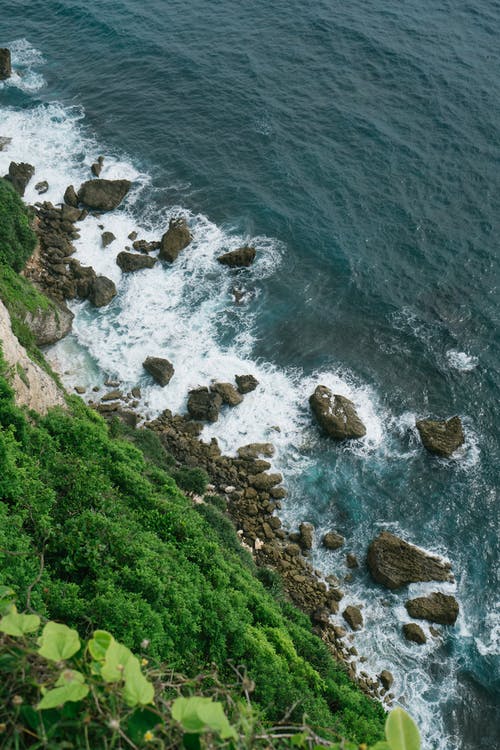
(306,535)
(394,563)
(107,238)
(204,404)
(253,450)
(351,561)
(71,214)
(228,393)
(80,389)
(160,369)
(103,195)
(240,258)
(175,239)
(386,678)
(130,262)
(42,187)
(413,632)
(332,540)
(96,167)
(246,383)
(5,64)
(50,325)
(145,247)
(336,415)
(136,392)
(352,615)
(101,291)
(441,437)
(263,481)
(115,395)
(132,236)
(70,197)
(19,175)
(4,141)
(437,607)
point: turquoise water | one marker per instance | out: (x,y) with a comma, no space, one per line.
(357,146)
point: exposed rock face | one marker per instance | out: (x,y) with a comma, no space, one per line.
(246,383)
(332,540)
(160,369)
(352,615)
(441,437)
(437,607)
(175,239)
(102,290)
(130,262)
(5,64)
(336,415)
(70,197)
(42,187)
(413,632)
(394,563)
(240,258)
(228,393)
(107,238)
(254,450)
(103,195)
(204,404)
(19,175)
(145,247)
(306,535)
(49,326)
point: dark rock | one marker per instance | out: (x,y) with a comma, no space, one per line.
(413,632)
(253,450)
(130,262)
(441,437)
(51,325)
(4,141)
(136,392)
(263,481)
(332,540)
(246,383)
(96,167)
(80,389)
(5,64)
(437,607)
(204,404)
(336,415)
(42,187)
(107,238)
(240,258)
(103,195)
(386,678)
(228,393)
(115,395)
(145,247)
(352,615)
(160,369)
(101,292)
(70,213)
(133,235)
(394,563)
(70,197)
(19,175)
(306,535)
(175,239)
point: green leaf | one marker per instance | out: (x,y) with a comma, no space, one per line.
(185,711)
(138,690)
(99,644)
(17,624)
(58,642)
(60,695)
(69,677)
(197,715)
(7,597)
(381,745)
(401,731)
(141,721)
(116,659)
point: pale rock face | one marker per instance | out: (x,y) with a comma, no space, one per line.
(35,389)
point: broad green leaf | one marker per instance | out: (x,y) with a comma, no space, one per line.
(69,677)
(401,731)
(141,721)
(116,659)
(299,740)
(380,746)
(198,714)
(185,711)
(213,716)
(58,642)
(138,690)
(99,644)
(74,691)
(17,624)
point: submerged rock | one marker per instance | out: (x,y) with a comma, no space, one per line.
(103,195)
(437,607)
(228,393)
(240,258)
(19,175)
(107,238)
(331,540)
(101,292)
(394,563)
(413,632)
(130,262)
(441,437)
(5,64)
(204,404)
(175,239)
(336,414)
(160,369)
(246,383)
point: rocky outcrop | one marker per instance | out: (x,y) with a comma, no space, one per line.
(228,393)
(254,450)
(306,536)
(42,187)
(130,262)
(107,238)
(394,563)
(103,195)
(336,414)
(50,325)
(19,175)
(5,64)
(441,437)
(160,369)
(145,247)
(413,632)
(352,615)
(331,540)
(70,197)
(204,404)
(175,239)
(240,258)
(437,607)
(102,291)
(246,383)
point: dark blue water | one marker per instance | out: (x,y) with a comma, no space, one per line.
(362,139)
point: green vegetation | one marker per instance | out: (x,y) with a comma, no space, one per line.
(17,240)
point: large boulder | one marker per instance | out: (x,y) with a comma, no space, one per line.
(306,535)
(129,262)
(394,563)
(5,64)
(160,369)
(50,325)
(107,238)
(254,450)
(352,615)
(228,393)
(240,258)
(332,540)
(19,175)
(101,292)
(103,195)
(437,607)
(336,415)
(70,197)
(175,239)
(246,383)
(204,404)
(263,481)
(413,632)
(441,437)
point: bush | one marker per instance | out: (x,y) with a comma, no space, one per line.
(191,480)
(17,239)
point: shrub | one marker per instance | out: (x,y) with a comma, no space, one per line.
(191,480)
(17,239)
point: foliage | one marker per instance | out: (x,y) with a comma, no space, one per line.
(193,481)
(17,239)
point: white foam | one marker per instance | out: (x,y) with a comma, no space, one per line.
(490,644)
(461,360)
(25,58)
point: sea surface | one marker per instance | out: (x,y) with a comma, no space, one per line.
(356,145)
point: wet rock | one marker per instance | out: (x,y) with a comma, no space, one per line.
(336,415)
(386,678)
(240,258)
(160,369)
(306,535)
(136,392)
(394,563)
(441,437)
(80,389)
(5,64)
(107,238)
(70,214)
(413,632)
(352,615)
(115,395)
(332,540)
(204,404)
(50,325)
(253,450)
(101,292)
(96,167)
(228,393)
(42,187)
(246,383)
(19,175)
(103,195)
(175,239)
(4,141)
(437,607)
(263,481)
(70,197)
(145,247)
(351,561)
(132,236)
(130,262)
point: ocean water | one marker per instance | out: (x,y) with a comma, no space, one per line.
(357,147)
